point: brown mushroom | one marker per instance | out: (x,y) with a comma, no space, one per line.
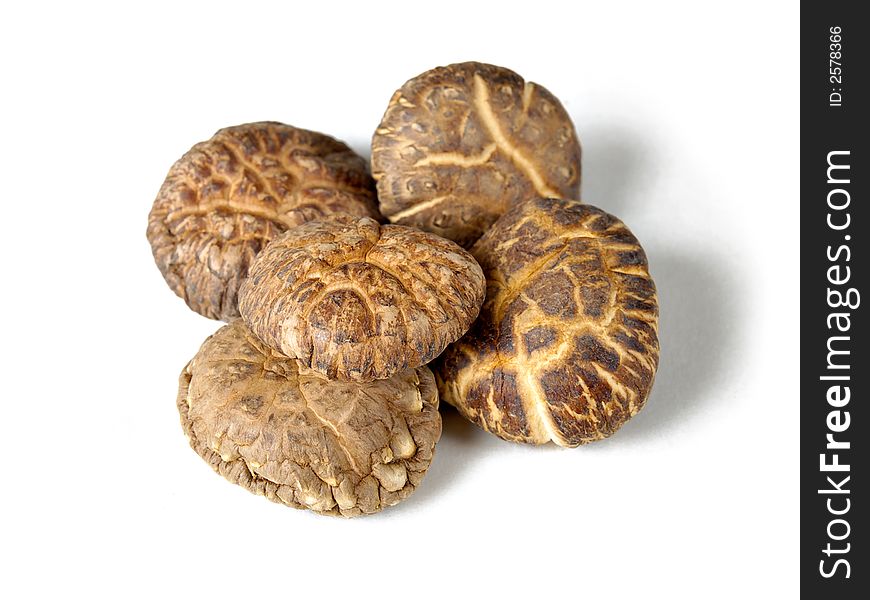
(229,196)
(459,145)
(566,346)
(301,440)
(355,300)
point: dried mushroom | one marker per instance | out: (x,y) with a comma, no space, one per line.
(566,346)
(229,196)
(459,145)
(302,440)
(356,300)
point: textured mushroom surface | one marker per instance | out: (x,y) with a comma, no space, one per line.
(229,196)
(459,145)
(356,300)
(302,440)
(566,346)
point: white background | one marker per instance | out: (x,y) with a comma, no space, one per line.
(688,117)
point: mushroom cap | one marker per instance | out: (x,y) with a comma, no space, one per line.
(355,300)
(229,196)
(333,447)
(566,346)
(459,145)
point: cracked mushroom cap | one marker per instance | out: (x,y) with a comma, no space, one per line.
(355,300)
(566,346)
(301,440)
(229,196)
(459,145)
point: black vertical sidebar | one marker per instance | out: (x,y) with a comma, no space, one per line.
(835,362)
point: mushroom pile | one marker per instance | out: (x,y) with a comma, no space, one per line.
(467,252)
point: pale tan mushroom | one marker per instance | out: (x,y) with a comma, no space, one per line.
(297,438)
